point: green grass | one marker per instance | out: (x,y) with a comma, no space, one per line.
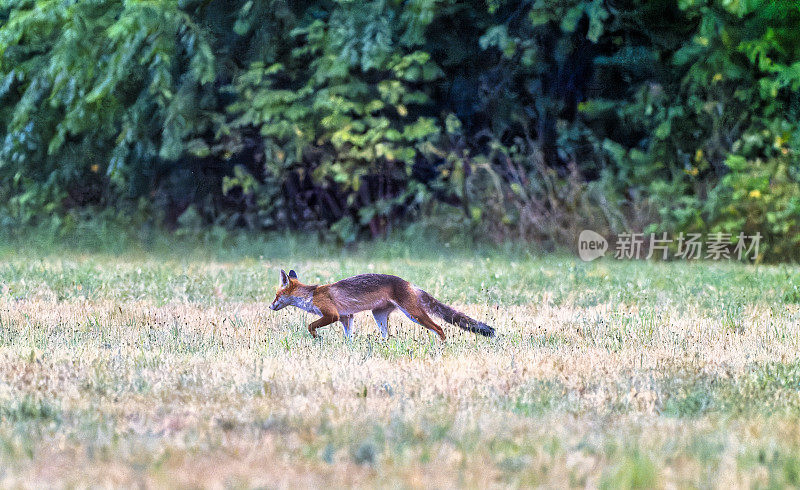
(164,366)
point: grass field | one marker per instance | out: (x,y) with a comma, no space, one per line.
(169,369)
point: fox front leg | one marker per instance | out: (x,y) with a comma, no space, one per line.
(347,323)
(325,320)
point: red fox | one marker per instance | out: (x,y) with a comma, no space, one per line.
(380,293)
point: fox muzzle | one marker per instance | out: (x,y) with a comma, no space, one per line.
(278,304)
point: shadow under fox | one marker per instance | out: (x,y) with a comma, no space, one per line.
(381,293)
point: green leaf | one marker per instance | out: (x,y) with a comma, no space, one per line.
(570,21)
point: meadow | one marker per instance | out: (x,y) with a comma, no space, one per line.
(167,369)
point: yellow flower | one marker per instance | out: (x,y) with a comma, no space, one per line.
(755,194)
(401,109)
(94,168)
(717,77)
(698,155)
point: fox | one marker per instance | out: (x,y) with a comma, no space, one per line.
(381,293)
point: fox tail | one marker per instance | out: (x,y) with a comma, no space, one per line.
(453,316)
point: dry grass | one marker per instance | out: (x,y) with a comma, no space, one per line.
(128,371)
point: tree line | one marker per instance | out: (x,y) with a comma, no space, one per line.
(508,120)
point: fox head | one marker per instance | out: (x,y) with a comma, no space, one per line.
(285,296)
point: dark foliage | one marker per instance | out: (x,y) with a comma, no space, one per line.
(509,120)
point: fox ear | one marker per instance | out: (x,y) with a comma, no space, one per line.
(293,274)
(284,279)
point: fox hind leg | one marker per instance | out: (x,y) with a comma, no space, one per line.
(382,319)
(431,325)
(418,315)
